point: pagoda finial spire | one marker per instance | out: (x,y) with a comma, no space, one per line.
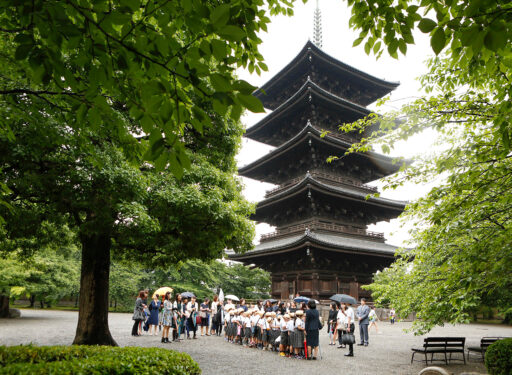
(317,27)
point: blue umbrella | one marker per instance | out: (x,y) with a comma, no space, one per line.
(301,299)
(187,295)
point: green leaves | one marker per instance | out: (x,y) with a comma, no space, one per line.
(438,40)
(220,16)
(101,50)
(250,102)
(232,33)
(426,25)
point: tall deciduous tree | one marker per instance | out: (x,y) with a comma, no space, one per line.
(81,81)
(462,235)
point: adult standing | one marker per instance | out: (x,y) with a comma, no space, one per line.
(180,317)
(243,305)
(392,315)
(341,324)
(363,312)
(349,316)
(312,327)
(373,320)
(154,307)
(138,313)
(168,317)
(204,313)
(192,309)
(214,315)
(331,324)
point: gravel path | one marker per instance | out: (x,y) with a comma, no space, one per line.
(388,353)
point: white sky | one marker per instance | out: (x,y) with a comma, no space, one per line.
(285,38)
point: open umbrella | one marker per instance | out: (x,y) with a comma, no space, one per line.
(343,298)
(271,300)
(301,299)
(161,291)
(187,295)
(232,297)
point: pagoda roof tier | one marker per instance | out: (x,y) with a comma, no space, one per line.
(330,242)
(281,124)
(289,153)
(300,196)
(335,76)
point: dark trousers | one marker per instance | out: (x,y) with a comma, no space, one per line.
(135,328)
(340,336)
(363,333)
(191,327)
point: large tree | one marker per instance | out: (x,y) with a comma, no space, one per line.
(90,90)
(461,237)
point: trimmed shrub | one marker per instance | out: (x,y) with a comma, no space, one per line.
(67,360)
(498,357)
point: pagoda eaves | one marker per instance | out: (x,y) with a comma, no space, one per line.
(278,126)
(299,147)
(337,77)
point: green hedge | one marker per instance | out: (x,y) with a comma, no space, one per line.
(64,360)
(498,357)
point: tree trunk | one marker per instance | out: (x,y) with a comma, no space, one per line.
(32,300)
(41,303)
(92,328)
(4,306)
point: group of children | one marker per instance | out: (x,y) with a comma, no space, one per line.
(283,333)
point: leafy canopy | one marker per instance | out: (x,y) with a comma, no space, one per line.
(461,237)
(151,59)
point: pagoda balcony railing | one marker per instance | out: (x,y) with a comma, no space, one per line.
(320,226)
(324,177)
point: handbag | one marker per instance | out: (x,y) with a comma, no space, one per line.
(348,339)
(198,319)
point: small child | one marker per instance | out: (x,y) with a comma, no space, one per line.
(283,345)
(298,345)
(291,333)
(247,328)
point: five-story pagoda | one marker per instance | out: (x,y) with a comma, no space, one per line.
(321,245)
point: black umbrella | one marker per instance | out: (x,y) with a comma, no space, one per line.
(187,294)
(271,300)
(343,298)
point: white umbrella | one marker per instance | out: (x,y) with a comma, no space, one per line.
(232,297)
(221,295)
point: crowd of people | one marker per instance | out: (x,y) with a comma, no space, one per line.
(287,328)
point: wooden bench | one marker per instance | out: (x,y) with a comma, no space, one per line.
(485,342)
(441,345)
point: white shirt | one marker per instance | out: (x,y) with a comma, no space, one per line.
(191,306)
(275,324)
(214,307)
(229,305)
(290,325)
(373,315)
(349,312)
(341,318)
(247,322)
(284,325)
(254,319)
(299,323)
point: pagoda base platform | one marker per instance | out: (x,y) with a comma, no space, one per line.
(318,264)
